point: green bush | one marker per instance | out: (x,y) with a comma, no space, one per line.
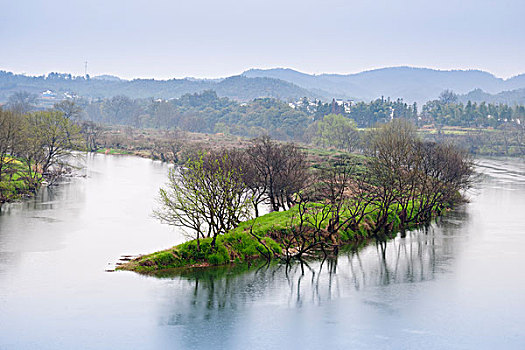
(216,259)
(165,258)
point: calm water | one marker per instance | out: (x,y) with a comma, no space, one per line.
(458,285)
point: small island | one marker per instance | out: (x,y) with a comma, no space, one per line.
(317,204)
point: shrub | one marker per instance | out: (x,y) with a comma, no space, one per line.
(165,258)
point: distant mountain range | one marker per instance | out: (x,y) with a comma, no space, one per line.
(236,87)
(411,84)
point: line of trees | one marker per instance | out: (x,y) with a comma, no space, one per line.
(327,125)
(415,178)
(206,112)
(448,111)
(403,182)
(202,112)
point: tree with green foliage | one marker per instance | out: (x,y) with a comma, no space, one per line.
(10,132)
(448,96)
(337,131)
(50,138)
(33,146)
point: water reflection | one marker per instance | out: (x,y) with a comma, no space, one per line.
(418,257)
(35,224)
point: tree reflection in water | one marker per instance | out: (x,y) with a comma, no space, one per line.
(220,294)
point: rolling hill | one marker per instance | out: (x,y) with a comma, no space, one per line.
(411,84)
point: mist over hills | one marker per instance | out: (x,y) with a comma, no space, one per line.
(236,87)
(512,97)
(411,84)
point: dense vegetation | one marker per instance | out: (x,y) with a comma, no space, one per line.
(486,129)
(449,111)
(204,112)
(329,125)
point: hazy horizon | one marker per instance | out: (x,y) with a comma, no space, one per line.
(92,75)
(206,39)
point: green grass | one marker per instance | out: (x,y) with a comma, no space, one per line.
(16,186)
(233,247)
(113,151)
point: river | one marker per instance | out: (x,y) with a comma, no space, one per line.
(458,285)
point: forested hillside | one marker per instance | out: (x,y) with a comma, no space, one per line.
(512,97)
(237,87)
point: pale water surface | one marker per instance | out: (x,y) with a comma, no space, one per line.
(458,285)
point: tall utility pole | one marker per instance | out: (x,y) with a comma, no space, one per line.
(85,69)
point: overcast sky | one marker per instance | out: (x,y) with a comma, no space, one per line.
(216,38)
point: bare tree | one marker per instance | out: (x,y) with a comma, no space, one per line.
(22,102)
(207,196)
(69,109)
(348,194)
(391,147)
(122,110)
(91,132)
(280,169)
(306,234)
(445,173)
(414,179)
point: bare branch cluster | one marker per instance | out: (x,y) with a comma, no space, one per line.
(207,196)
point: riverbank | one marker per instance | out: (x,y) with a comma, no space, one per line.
(174,146)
